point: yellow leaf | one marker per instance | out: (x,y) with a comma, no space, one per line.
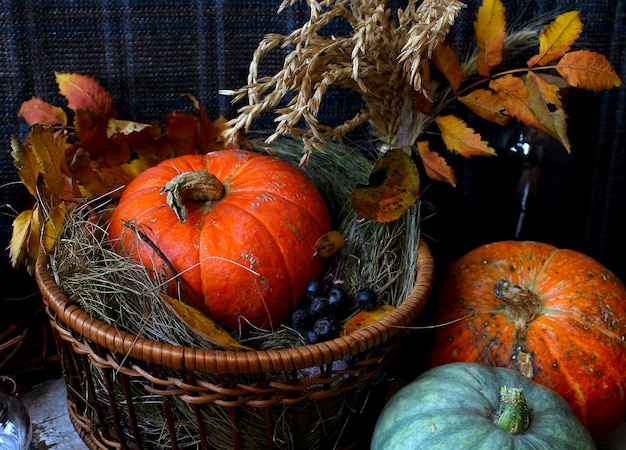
(365,318)
(393,187)
(514,94)
(436,167)
(18,246)
(588,70)
(487,105)
(53,225)
(204,325)
(556,39)
(490,27)
(328,244)
(458,137)
(545,104)
(26,164)
(50,154)
(447,63)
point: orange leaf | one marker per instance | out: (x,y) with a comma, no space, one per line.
(545,104)
(490,29)
(556,39)
(393,188)
(329,244)
(27,166)
(83,92)
(447,63)
(204,325)
(487,105)
(38,112)
(588,70)
(514,94)
(436,167)
(458,137)
(365,318)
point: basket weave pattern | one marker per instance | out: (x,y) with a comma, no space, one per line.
(329,380)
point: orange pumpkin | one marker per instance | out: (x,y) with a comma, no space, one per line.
(555,315)
(236,230)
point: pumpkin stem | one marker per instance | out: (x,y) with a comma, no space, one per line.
(512,414)
(523,305)
(196,186)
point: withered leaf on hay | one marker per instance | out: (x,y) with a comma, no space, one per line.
(204,325)
(393,188)
(328,244)
(365,318)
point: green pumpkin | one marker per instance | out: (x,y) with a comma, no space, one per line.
(471,406)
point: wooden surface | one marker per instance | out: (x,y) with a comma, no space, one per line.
(53,430)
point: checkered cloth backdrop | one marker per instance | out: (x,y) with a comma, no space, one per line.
(148,52)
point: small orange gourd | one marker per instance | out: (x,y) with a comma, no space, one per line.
(235,229)
(556,315)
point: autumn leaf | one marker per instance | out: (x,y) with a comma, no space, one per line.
(26,164)
(460,138)
(24,232)
(204,325)
(50,155)
(53,225)
(486,104)
(436,167)
(328,244)
(447,63)
(365,318)
(38,112)
(588,70)
(490,27)
(393,188)
(118,126)
(83,92)
(545,104)
(556,39)
(514,94)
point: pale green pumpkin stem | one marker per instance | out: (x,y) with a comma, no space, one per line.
(196,186)
(512,415)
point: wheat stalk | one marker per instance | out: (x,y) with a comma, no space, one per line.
(382,59)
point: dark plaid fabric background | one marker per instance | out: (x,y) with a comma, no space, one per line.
(147,53)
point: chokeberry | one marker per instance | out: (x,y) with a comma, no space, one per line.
(338,299)
(320,306)
(301,319)
(326,328)
(366,298)
(314,288)
(311,337)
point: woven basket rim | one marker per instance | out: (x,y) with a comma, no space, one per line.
(232,361)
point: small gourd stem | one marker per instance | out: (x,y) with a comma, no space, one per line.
(512,414)
(194,186)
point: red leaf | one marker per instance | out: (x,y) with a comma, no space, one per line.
(83,92)
(38,112)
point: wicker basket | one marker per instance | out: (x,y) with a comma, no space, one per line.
(267,393)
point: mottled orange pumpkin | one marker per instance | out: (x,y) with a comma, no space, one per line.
(236,228)
(556,315)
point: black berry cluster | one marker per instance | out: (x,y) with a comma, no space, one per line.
(323,308)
